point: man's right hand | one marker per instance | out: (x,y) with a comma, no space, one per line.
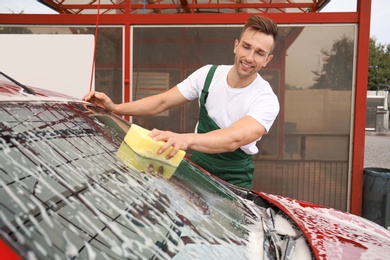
(100,99)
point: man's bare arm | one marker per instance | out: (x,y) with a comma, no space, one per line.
(147,106)
(242,132)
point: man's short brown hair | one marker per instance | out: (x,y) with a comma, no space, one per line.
(261,24)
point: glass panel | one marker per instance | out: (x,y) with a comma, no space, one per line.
(312,74)
(108,60)
(176,52)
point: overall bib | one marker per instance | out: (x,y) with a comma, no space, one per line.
(234,167)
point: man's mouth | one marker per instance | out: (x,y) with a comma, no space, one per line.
(246,65)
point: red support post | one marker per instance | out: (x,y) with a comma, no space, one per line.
(127,57)
(363,47)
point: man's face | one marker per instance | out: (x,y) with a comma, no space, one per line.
(252,52)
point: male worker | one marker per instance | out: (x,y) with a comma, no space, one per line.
(237,107)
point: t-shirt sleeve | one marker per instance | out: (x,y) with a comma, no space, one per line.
(265,109)
(192,86)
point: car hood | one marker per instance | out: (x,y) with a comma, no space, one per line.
(12,92)
(334,234)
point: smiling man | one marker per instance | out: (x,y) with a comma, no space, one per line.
(237,107)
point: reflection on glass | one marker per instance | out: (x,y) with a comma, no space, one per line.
(311,72)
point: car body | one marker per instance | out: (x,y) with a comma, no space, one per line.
(71,188)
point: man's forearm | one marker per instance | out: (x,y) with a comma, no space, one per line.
(242,132)
(218,141)
(151,105)
(141,107)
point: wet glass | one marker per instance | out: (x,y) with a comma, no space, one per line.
(67,191)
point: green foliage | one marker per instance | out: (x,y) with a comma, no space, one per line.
(379,66)
(336,72)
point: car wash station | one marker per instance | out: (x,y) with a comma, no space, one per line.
(315,149)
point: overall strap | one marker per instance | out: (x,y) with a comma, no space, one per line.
(205,91)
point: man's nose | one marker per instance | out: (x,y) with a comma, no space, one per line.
(250,56)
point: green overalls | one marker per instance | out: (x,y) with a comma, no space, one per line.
(234,167)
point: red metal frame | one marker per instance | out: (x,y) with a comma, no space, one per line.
(161,6)
(363,47)
(361,18)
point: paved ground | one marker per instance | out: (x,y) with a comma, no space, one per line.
(377,150)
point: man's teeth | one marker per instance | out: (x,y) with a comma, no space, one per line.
(246,65)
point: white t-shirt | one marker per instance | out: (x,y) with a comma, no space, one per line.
(226,105)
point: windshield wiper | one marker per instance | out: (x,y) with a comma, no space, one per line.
(25,89)
(276,246)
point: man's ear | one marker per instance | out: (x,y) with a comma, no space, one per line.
(269,58)
(236,42)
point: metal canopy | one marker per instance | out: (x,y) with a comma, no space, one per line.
(183,6)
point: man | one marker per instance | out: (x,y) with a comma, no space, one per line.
(237,107)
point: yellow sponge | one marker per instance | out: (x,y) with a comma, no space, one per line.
(143,164)
(139,140)
(140,150)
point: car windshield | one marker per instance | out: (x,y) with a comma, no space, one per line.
(68,190)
